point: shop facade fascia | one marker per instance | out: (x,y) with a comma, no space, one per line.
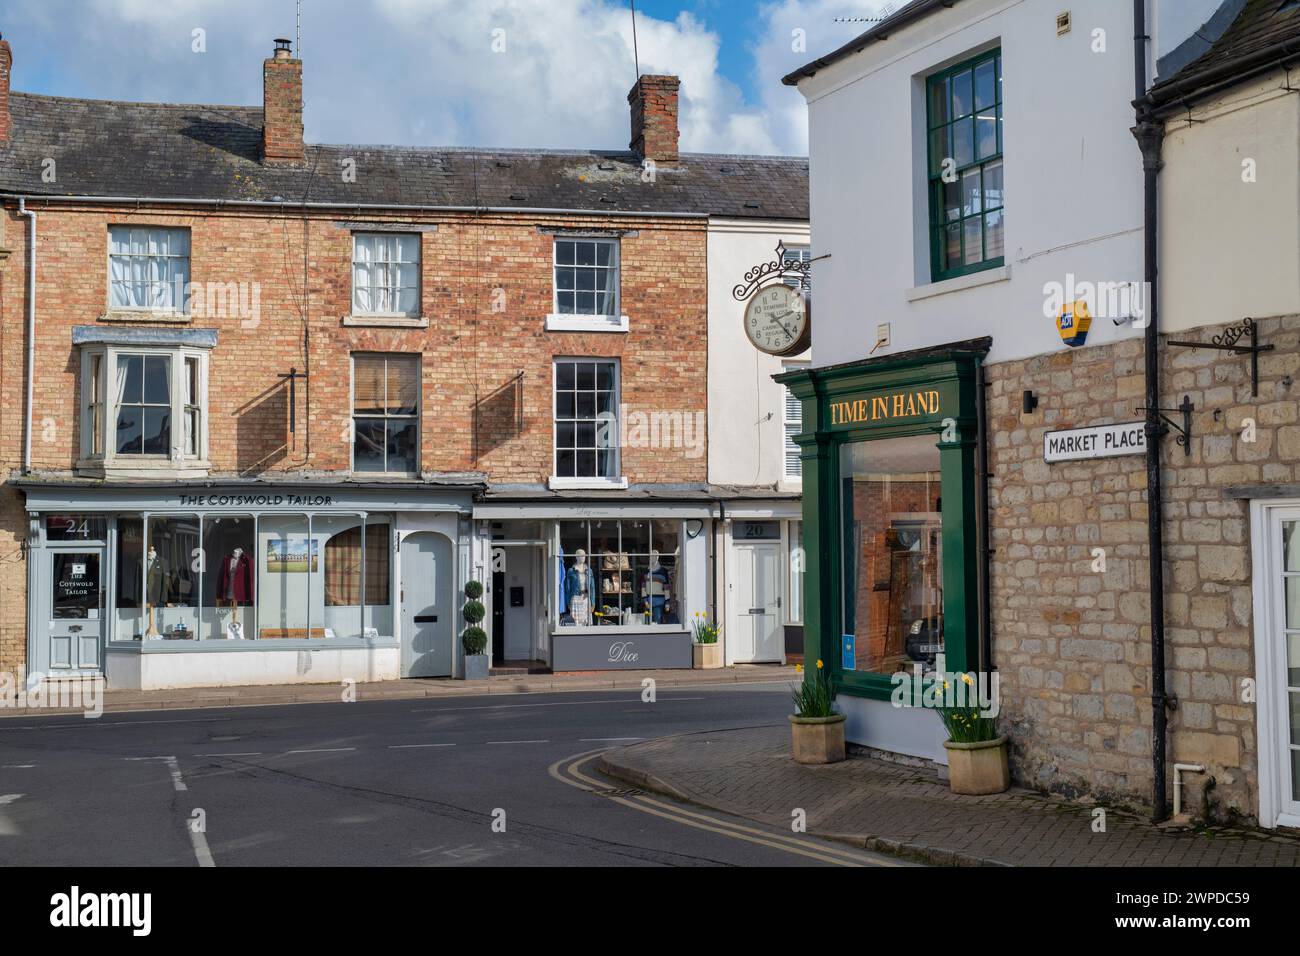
(855,403)
(423,513)
(540,524)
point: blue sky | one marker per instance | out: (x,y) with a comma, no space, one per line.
(524,73)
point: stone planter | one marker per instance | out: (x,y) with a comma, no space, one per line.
(476,666)
(818,739)
(979,768)
(706,656)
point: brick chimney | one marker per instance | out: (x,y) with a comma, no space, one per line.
(6,61)
(654,118)
(282,108)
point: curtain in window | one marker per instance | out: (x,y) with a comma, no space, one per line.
(363,267)
(343,564)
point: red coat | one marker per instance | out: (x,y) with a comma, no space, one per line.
(240,587)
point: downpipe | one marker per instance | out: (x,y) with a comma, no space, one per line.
(31,332)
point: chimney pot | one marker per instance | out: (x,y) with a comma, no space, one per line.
(282,143)
(6,64)
(653,100)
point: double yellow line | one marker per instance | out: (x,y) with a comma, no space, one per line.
(569,771)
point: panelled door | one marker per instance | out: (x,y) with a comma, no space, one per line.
(428,617)
(76,609)
(758,633)
(1277,660)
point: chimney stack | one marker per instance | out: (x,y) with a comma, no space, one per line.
(6,62)
(654,118)
(282,108)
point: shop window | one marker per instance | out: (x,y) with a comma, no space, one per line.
(149,268)
(893,568)
(386,274)
(355,560)
(143,408)
(964,135)
(629,572)
(586,277)
(385,413)
(173,561)
(229,578)
(289,564)
(586,419)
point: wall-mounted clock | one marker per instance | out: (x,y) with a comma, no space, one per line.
(777,320)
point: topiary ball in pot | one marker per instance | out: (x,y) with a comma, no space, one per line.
(474,639)
(473,590)
(474,612)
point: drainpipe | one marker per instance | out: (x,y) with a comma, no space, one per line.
(982,569)
(1150,132)
(31,331)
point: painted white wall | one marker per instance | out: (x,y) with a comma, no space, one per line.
(746,428)
(132,670)
(1073,181)
(1230,248)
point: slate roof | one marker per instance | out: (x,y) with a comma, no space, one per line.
(1264,35)
(880,30)
(106,148)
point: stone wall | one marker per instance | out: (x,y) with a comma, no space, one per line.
(1072,644)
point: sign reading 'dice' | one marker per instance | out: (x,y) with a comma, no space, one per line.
(1099,441)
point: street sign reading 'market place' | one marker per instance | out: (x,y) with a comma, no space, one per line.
(1099,441)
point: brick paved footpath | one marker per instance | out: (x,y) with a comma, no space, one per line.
(910,812)
(119,701)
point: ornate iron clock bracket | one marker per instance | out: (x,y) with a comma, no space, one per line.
(1227,340)
(1184,430)
(777,269)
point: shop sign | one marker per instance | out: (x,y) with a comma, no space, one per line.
(595,652)
(276,500)
(887,407)
(1099,441)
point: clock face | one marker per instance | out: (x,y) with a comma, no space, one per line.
(776,320)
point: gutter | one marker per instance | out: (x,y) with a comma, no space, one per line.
(1165,99)
(344,207)
(31,333)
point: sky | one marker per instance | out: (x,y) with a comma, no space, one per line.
(494,73)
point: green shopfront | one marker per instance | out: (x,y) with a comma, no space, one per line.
(891,532)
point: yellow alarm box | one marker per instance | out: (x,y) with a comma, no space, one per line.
(1073,323)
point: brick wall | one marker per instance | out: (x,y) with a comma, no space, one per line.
(1073,645)
(486,290)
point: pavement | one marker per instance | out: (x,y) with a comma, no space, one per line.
(504,780)
(910,812)
(414,688)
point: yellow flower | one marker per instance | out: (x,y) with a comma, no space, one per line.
(820,665)
(798,668)
(968,680)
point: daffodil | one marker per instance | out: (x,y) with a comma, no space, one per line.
(820,665)
(968,680)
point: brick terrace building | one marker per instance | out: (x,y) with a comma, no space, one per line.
(267,406)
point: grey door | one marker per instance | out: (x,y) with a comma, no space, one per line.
(427,613)
(76,624)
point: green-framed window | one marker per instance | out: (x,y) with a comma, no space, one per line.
(964,146)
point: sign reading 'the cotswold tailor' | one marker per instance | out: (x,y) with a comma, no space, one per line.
(1099,441)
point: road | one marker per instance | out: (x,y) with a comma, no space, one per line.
(456,782)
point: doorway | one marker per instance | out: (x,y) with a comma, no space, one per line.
(1275,534)
(75,611)
(757,636)
(427,612)
(518,607)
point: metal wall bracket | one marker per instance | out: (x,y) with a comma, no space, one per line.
(778,269)
(1184,430)
(1227,340)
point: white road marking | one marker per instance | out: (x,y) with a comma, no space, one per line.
(602,740)
(7,828)
(18,766)
(323,750)
(173,765)
(251,753)
(413,746)
(198,839)
(518,742)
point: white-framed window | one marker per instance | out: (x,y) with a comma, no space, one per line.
(586,277)
(386,273)
(386,413)
(144,407)
(792,421)
(148,268)
(798,254)
(586,418)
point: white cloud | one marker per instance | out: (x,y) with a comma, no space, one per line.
(424,72)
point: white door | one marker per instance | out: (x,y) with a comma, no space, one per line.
(1276,533)
(427,612)
(758,635)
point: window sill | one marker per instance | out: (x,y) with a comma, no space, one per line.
(586,323)
(146,468)
(987,277)
(145,315)
(387,321)
(586,484)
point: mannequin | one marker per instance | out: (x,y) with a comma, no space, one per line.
(657,588)
(235,587)
(155,584)
(579,586)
